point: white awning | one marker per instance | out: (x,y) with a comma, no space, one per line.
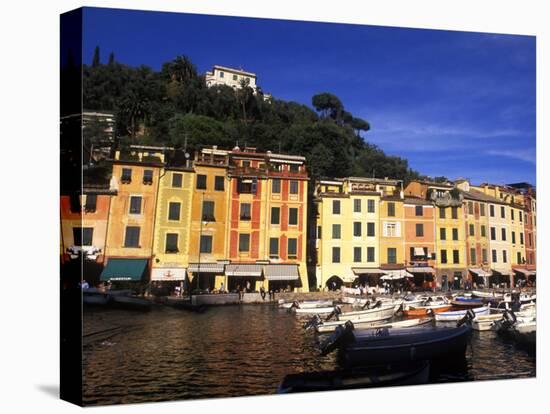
(281,272)
(395,274)
(525,272)
(421,269)
(236,269)
(166,274)
(367,271)
(205,268)
(479,272)
(504,272)
(419,251)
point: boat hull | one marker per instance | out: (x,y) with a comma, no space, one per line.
(425,311)
(359,325)
(459,314)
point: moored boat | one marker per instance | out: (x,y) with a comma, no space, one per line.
(467,302)
(486,322)
(95,298)
(359,324)
(132,302)
(313,311)
(426,310)
(456,315)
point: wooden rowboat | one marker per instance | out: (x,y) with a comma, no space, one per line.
(426,310)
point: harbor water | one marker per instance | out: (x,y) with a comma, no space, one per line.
(229,351)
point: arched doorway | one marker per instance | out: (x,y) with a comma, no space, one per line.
(334,283)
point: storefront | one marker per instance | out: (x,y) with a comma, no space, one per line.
(206,277)
(423,276)
(480,277)
(168,280)
(126,273)
(369,276)
(243,276)
(524,276)
(451,277)
(500,278)
(282,277)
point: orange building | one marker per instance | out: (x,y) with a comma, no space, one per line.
(420,241)
(129,246)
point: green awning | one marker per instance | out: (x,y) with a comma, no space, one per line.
(124,269)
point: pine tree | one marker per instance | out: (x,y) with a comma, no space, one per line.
(95,61)
(111,58)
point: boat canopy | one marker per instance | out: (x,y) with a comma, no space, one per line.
(281,272)
(206,267)
(421,269)
(166,274)
(243,269)
(124,269)
(367,271)
(479,272)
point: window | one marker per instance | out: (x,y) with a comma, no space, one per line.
(244,243)
(293,216)
(335,206)
(454,212)
(246,164)
(292,248)
(201,182)
(470,207)
(131,238)
(473,255)
(91,203)
(418,210)
(219,183)
(513,237)
(135,204)
(171,243)
(512,214)
(503,233)
(370,254)
(481,209)
(456,257)
(294,168)
(275,215)
(208,211)
(443,256)
(455,234)
(492,210)
(391,209)
(443,233)
(493,233)
(126,177)
(245,212)
(247,185)
(206,244)
(483,231)
(319,233)
(472,230)
(274,248)
(442,214)
(419,230)
(392,229)
(356,229)
(392,255)
(75,206)
(370,229)
(276,186)
(336,233)
(174,211)
(484,255)
(370,206)
(235,77)
(520,216)
(148,177)
(177,180)
(357,205)
(504,256)
(357,254)
(83,236)
(502,212)
(494,255)
(518,258)
(294,187)
(221,74)
(335,255)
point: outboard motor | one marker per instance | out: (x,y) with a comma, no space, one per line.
(295,304)
(468,318)
(340,337)
(366,305)
(337,311)
(509,319)
(314,321)
(377,304)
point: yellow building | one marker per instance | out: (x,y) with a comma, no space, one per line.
(348,231)
(129,241)
(208,244)
(392,234)
(172,224)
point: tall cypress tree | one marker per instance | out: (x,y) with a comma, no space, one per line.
(111,58)
(95,61)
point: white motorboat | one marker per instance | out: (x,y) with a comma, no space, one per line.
(312,311)
(372,315)
(358,324)
(458,315)
(486,322)
(306,304)
(487,295)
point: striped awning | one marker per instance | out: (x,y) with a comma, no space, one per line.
(367,271)
(395,274)
(282,272)
(421,269)
(419,251)
(525,272)
(205,268)
(236,269)
(166,274)
(479,272)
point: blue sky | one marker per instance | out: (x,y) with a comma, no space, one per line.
(458,104)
